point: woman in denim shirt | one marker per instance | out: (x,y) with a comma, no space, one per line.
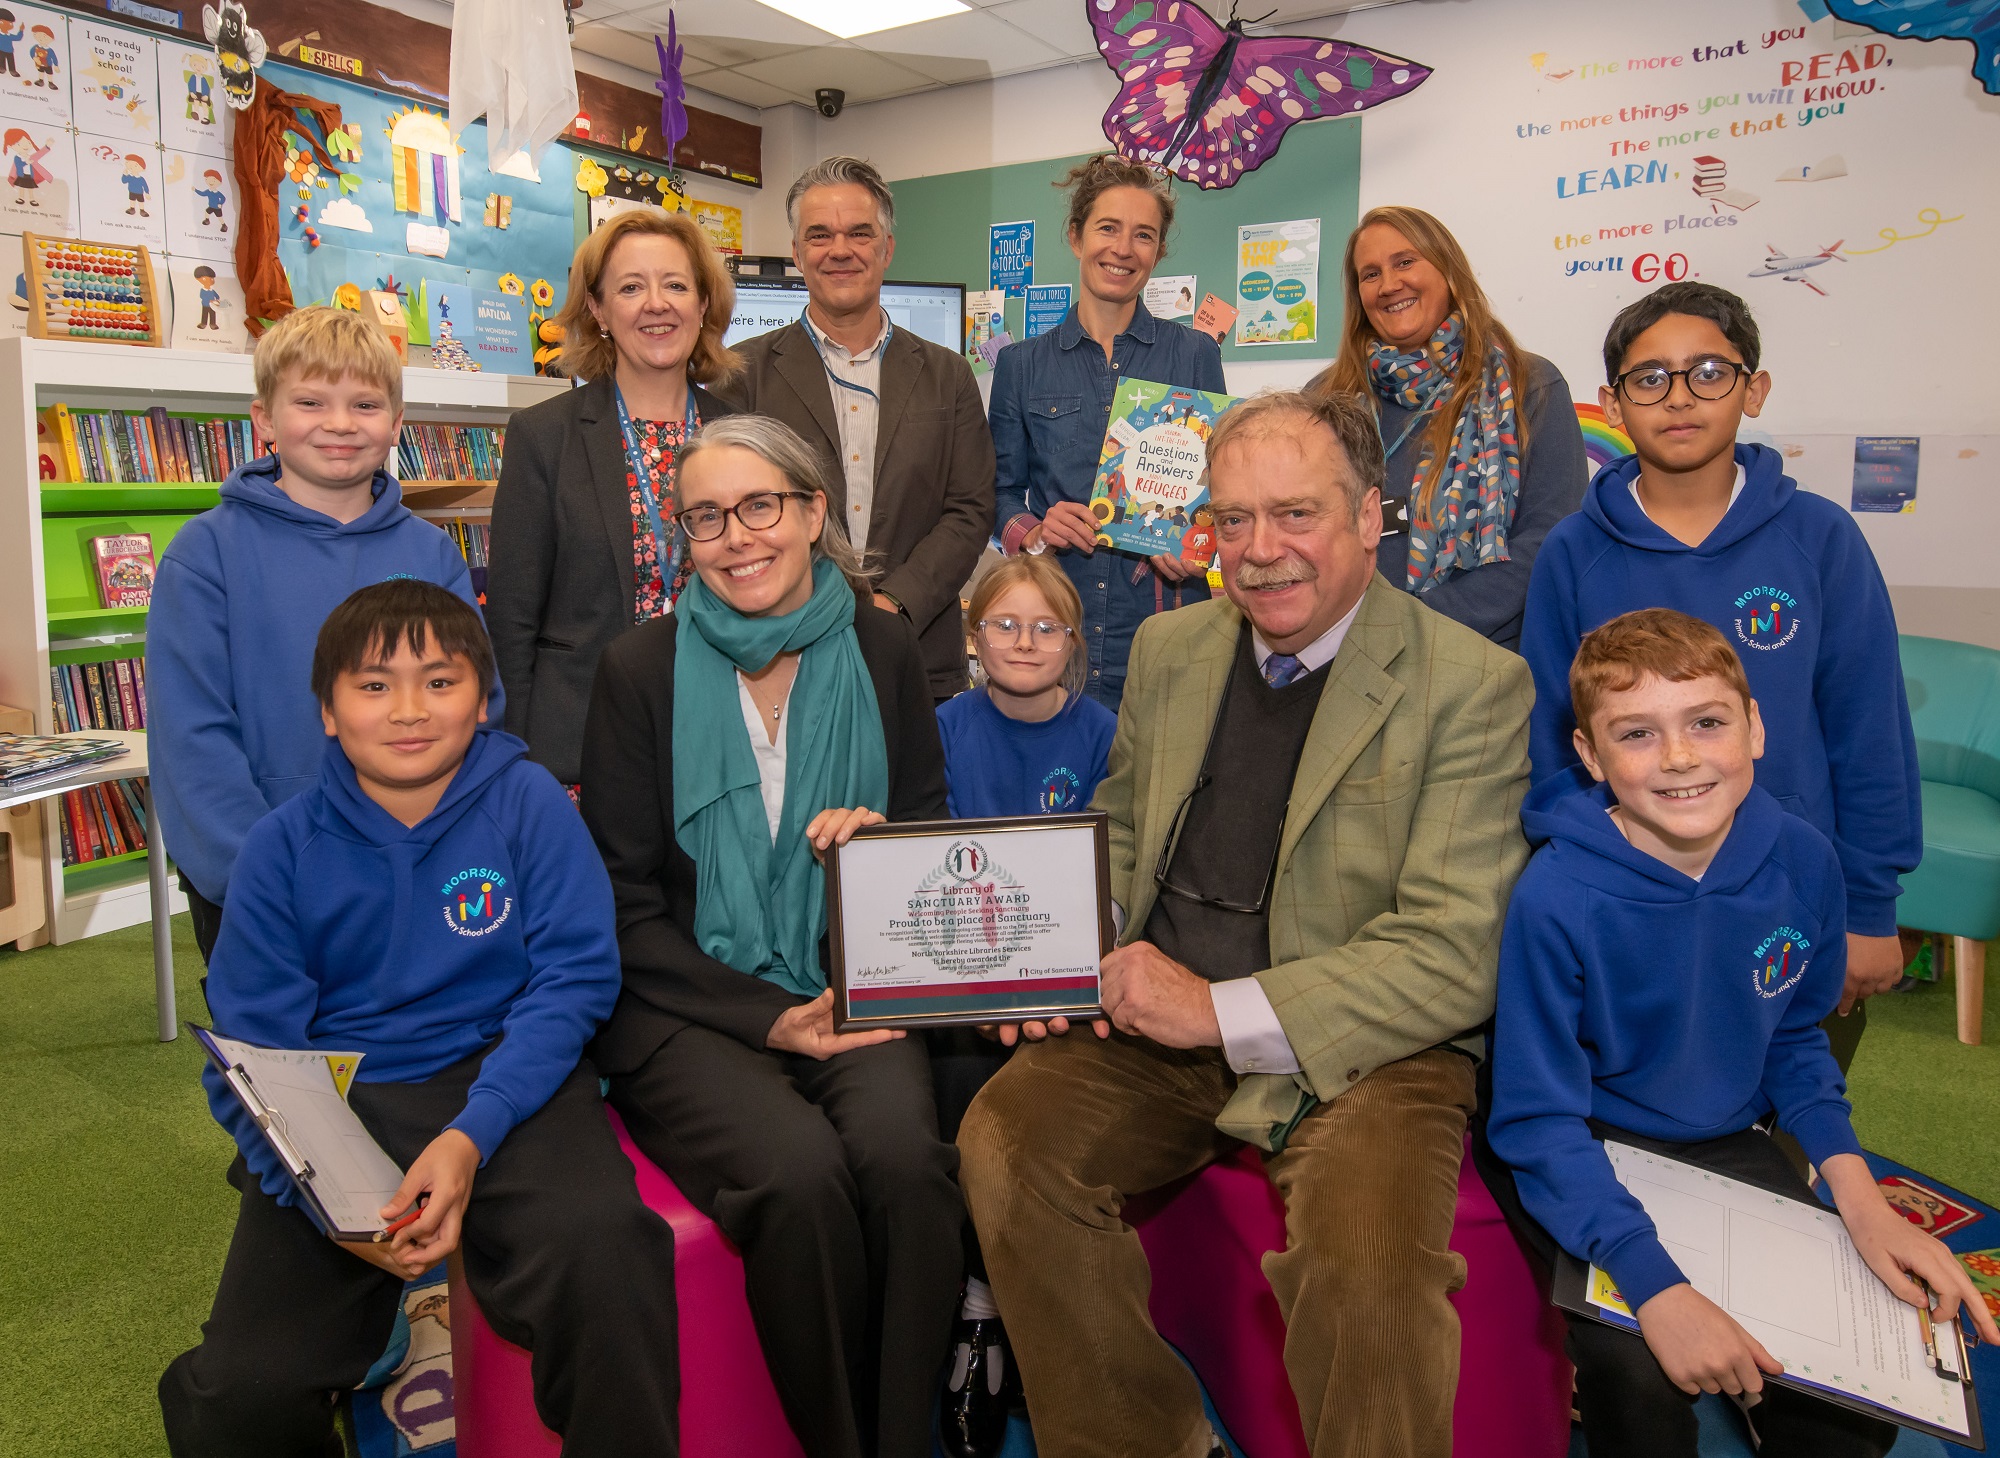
(1052,397)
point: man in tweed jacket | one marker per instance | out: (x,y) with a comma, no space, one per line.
(1314,800)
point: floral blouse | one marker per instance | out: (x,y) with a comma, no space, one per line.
(658,575)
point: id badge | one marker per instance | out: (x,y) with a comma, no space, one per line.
(1395,516)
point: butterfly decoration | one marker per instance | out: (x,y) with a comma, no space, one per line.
(239,50)
(672,89)
(1209,103)
(1975,20)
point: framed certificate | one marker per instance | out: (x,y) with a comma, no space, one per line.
(940,922)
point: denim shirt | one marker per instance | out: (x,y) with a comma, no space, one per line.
(1051,404)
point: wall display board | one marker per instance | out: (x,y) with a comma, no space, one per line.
(943,222)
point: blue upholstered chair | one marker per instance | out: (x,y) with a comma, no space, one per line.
(1954,693)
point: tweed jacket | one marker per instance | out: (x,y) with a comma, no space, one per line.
(1401,842)
(933,507)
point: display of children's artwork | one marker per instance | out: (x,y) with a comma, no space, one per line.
(423,166)
(34,65)
(80,289)
(200,199)
(118,191)
(189,115)
(37,172)
(208,306)
(1151,492)
(116,82)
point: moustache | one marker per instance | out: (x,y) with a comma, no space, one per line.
(1249,576)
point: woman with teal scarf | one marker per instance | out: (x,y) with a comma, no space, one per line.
(728,745)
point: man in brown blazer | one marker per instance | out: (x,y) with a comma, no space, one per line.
(1314,799)
(896,418)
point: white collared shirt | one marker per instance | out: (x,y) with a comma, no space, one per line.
(857,416)
(769,751)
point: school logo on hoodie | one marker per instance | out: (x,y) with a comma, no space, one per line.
(476,901)
(1767,618)
(1780,961)
(1061,790)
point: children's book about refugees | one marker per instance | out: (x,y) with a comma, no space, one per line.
(1151,492)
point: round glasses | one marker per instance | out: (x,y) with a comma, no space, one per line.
(758,513)
(1711,379)
(1047,635)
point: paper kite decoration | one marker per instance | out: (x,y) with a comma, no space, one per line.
(672,89)
(238,48)
(1209,103)
(1977,21)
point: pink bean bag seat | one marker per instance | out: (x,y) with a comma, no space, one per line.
(729,1408)
(1205,1239)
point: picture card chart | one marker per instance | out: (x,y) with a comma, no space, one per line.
(35,67)
(200,206)
(208,305)
(117,83)
(191,113)
(120,187)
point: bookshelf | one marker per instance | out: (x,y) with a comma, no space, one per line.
(49,612)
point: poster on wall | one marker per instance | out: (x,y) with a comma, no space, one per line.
(116,82)
(477,329)
(200,201)
(34,66)
(37,180)
(190,112)
(1048,305)
(985,321)
(118,192)
(1277,282)
(1172,298)
(1885,473)
(208,306)
(1012,264)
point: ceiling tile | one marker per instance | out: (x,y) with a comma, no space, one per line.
(619,45)
(863,75)
(1059,24)
(736,20)
(965,47)
(747,89)
(731,51)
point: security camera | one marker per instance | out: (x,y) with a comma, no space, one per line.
(830,100)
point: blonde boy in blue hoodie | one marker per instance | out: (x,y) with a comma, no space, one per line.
(243,588)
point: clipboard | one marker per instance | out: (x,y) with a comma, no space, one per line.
(298,1099)
(1580,1287)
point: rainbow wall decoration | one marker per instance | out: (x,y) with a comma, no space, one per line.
(1603,442)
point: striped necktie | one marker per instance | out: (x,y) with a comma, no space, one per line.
(1281,668)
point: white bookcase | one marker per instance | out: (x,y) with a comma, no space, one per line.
(37,373)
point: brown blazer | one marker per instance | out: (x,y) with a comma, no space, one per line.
(933,506)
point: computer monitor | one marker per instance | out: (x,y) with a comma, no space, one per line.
(933,311)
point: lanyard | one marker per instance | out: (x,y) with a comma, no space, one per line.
(664,547)
(1409,428)
(812,334)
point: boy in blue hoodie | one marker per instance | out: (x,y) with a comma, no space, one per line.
(1697,522)
(1666,961)
(242,589)
(434,904)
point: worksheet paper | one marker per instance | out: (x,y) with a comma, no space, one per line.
(1789,1273)
(351,1177)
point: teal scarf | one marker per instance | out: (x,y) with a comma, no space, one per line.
(760,906)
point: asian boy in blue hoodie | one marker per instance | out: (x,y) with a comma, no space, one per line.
(242,589)
(1666,961)
(1697,522)
(435,904)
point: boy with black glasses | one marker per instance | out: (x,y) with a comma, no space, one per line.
(1697,522)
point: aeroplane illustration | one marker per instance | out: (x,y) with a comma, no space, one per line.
(1793,270)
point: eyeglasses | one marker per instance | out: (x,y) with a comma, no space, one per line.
(1710,379)
(758,513)
(1167,887)
(1048,636)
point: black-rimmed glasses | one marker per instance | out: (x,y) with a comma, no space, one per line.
(1708,379)
(758,513)
(1182,893)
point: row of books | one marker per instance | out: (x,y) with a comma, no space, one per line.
(102,820)
(474,540)
(107,446)
(450,452)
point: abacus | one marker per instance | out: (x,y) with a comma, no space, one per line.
(83,290)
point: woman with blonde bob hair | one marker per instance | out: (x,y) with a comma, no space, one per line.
(1482,443)
(583,539)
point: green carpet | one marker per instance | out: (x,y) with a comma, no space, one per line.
(114,1215)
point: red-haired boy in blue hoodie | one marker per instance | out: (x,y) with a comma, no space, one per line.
(1697,522)
(435,904)
(1666,961)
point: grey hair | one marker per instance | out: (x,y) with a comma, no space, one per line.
(840,172)
(1281,412)
(777,443)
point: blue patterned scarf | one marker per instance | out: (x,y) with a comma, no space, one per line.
(1465,521)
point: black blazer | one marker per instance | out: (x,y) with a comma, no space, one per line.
(628,802)
(559,580)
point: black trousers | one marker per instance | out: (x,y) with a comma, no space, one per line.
(962,1062)
(1629,1408)
(831,1179)
(206,916)
(558,1249)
